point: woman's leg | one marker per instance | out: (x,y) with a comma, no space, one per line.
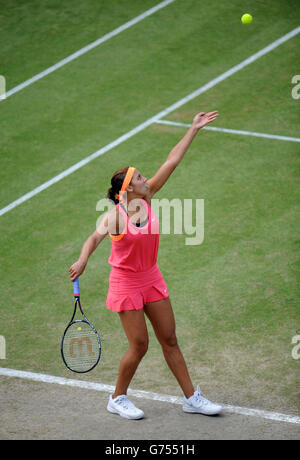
(161,316)
(135,327)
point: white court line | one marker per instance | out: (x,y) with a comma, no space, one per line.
(151,120)
(89,47)
(278,417)
(231,131)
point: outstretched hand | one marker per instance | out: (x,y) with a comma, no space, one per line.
(202,118)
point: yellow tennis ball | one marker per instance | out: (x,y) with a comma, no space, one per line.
(246,18)
(79,329)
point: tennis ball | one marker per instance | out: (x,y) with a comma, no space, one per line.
(79,329)
(246,18)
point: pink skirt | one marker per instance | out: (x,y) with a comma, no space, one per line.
(131,291)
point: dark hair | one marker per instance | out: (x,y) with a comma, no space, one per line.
(116,184)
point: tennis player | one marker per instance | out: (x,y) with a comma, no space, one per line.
(136,285)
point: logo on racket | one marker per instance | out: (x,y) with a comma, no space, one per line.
(80,343)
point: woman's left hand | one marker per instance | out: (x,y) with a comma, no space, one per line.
(202,119)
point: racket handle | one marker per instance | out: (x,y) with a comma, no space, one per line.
(76,287)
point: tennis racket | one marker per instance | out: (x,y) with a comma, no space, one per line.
(80,343)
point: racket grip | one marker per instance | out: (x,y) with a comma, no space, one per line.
(76,287)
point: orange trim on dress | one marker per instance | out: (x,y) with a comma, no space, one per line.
(117,237)
(120,236)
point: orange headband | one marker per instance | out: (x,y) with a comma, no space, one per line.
(126,182)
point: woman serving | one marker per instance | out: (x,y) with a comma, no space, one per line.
(136,285)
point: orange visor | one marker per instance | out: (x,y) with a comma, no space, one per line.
(126,182)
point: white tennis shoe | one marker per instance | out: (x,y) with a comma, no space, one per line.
(125,408)
(197,404)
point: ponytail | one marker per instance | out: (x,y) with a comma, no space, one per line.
(116,184)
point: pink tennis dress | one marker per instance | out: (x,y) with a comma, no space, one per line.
(135,278)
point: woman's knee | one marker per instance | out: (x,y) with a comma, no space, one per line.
(169,342)
(140,347)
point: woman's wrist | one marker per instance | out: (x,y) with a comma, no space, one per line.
(83,260)
(194,129)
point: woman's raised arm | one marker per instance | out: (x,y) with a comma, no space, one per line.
(177,153)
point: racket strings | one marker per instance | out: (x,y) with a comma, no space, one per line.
(81,348)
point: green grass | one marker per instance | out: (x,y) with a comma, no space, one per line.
(235,296)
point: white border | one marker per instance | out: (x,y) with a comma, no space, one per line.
(278,417)
(231,131)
